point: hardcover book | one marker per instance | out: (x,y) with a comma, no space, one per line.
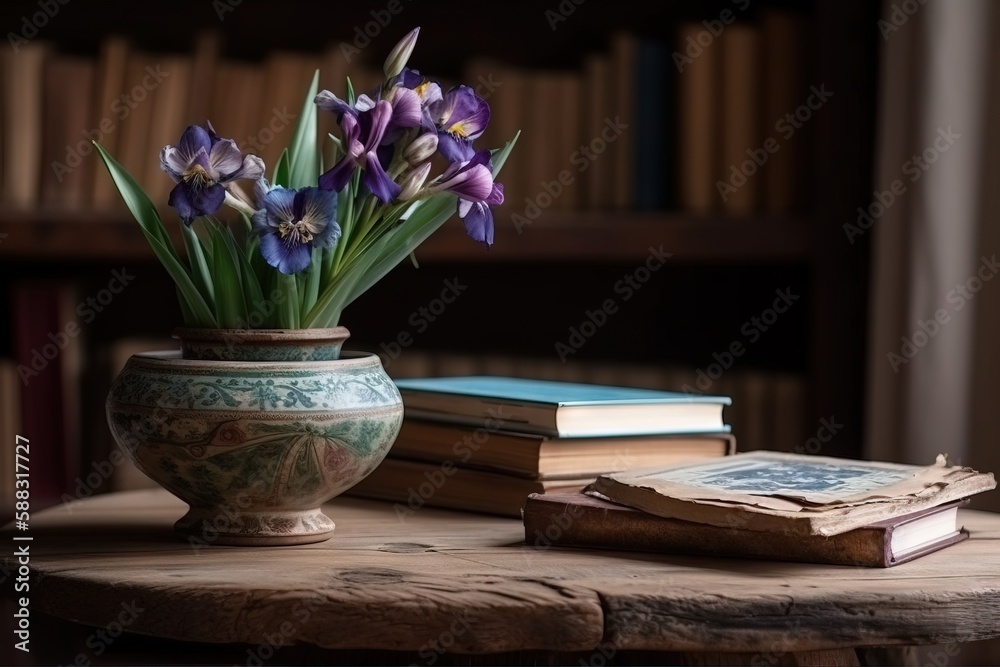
(578,520)
(792,493)
(413,484)
(537,456)
(562,409)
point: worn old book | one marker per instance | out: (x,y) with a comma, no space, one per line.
(414,484)
(792,493)
(537,456)
(563,409)
(578,520)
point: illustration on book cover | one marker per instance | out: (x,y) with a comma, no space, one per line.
(772,477)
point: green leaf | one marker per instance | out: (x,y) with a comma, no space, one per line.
(313,275)
(500,156)
(281,171)
(288,307)
(252,291)
(230,305)
(137,201)
(193,305)
(303,153)
(201,272)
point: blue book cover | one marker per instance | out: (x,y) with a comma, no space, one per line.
(550,392)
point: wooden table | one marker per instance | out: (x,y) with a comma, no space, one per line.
(435,584)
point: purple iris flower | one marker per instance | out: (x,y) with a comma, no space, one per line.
(472,181)
(201,164)
(362,128)
(407,113)
(460,117)
(428,91)
(293,222)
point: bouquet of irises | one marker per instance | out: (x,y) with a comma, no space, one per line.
(313,239)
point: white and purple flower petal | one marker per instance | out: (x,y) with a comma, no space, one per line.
(201,164)
(478,219)
(362,134)
(471,180)
(460,118)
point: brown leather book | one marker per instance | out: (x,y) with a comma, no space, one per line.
(597,109)
(577,520)
(414,484)
(774,492)
(741,126)
(785,88)
(23,79)
(624,48)
(169,101)
(135,151)
(539,457)
(109,113)
(67,162)
(699,116)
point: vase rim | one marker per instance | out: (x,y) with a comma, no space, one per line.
(273,336)
(174,359)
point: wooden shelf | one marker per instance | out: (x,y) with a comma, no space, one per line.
(556,236)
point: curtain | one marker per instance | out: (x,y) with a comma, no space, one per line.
(933,363)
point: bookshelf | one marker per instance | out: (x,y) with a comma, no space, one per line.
(724,260)
(555,236)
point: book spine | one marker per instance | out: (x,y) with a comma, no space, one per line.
(739,185)
(698,123)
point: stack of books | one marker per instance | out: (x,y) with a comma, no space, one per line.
(485,443)
(767,505)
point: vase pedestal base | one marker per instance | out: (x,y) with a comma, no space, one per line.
(203,526)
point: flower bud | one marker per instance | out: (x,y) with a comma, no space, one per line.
(411,184)
(421,148)
(400,54)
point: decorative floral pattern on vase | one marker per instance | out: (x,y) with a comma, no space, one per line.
(291,465)
(284,390)
(273,439)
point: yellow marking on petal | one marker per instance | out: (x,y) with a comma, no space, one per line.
(459,129)
(295,232)
(197,174)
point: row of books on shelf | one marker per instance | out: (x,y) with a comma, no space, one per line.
(625,130)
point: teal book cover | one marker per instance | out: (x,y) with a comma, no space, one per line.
(550,392)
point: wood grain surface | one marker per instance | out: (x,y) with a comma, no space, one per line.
(464,583)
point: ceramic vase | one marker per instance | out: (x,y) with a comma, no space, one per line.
(255,429)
